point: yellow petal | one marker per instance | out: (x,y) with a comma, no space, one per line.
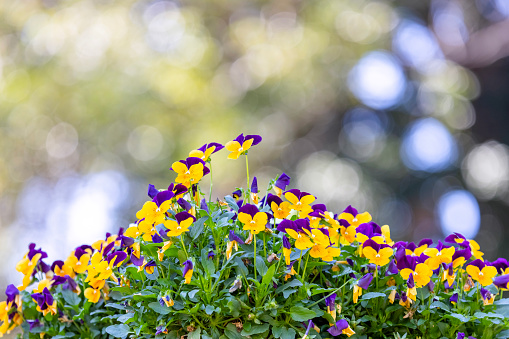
(232,146)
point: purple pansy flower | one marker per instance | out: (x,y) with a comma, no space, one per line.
(338,328)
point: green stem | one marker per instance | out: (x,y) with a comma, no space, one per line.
(328,295)
(305,266)
(184,246)
(210,193)
(300,259)
(264,245)
(254,241)
(248,198)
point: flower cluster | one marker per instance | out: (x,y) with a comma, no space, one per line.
(257,264)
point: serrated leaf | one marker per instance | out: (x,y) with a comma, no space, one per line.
(299,313)
(118,331)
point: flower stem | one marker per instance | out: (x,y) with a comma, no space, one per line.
(254,241)
(184,246)
(210,193)
(248,197)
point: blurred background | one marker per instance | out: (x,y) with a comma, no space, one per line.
(398,108)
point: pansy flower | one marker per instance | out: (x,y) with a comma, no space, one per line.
(341,327)
(454,299)
(182,223)
(353,217)
(287,249)
(59,268)
(369,230)
(378,254)
(45,302)
(405,301)
(487,297)
(330,303)
(448,273)
(295,229)
(254,191)
(240,145)
(281,209)
(166,301)
(411,291)
(281,183)
(205,151)
(460,257)
(78,260)
(93,294)
(189,171)
(502,282)
(290,271)
(421,272)
(348,233)
(416,251)
(188,271)
(363,283)
(234,241)
(457,238)
(439,255)
(300,200)
(462,335)
(475,248)
(237,194)
(152,213)
(481,272)
(501,264)
(160,252)
(253,220)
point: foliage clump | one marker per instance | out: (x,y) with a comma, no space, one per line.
(259,265)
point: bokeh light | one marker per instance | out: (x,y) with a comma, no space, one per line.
(428,146)
(458,211)
(378,80)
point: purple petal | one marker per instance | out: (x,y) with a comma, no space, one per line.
(454,298)
(286,243)
(479,263)
(256,139)
(188,265)
(152,191)
(240,138)
(501,264)
(410,282)
(178,189)
(183,216)
(162,197)
(351,210)
(11,292)
(425,241)
(137,261)
(120,256)
(233,237)
(365,281)
(331,300)
(56,263)
(254,186)
(282,181)
(184,204)
(204,206)
(249,209)
(392,269)
(371,243)
(218,146)
(501,281)
(156,238)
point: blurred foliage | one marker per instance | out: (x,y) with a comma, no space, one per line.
(126,88)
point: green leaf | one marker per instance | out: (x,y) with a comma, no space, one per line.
(209,309)
(439,304)
(156,306)
(231,332)
(197,228)
(118,331)
(372,295)
(208,264)
(299,313)
(261,267)
(481,315)
(241,268)
(457,316)
(293,283)
(232,203)
(71,298)
(287,293)
(255,329)
(124,318)
(196,334)
(288,333)
(267,278)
